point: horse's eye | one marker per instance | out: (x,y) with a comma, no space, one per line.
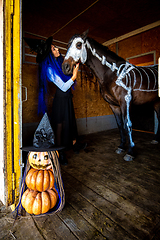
(46,157)
(79,45)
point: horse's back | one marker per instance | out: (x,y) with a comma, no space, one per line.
(146,89)
(144,78)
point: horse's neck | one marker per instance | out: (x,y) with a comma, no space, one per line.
(111,65)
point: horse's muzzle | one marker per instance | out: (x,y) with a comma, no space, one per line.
(66,68)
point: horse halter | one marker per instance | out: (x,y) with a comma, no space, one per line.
(75,53)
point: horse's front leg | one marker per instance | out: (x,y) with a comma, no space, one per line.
(118,116)
(125,107)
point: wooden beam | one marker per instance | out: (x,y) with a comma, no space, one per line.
(133,33)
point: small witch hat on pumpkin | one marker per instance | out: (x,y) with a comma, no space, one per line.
(43,140)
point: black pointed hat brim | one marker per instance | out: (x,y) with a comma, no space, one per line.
(45,49)
(41,47)
(34,149)
(34,44)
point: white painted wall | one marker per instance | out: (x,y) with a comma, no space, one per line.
(96,124)
(85,126)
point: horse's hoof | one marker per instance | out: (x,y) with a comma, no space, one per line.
(119,150)
(154,142)
(128,158)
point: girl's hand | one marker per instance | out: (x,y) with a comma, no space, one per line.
(75,72)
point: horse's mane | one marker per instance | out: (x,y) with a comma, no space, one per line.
(104,49)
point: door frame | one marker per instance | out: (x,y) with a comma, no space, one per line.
(11,127)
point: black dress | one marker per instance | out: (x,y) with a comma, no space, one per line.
(63,119)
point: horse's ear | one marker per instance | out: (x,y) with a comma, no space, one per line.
(84,34)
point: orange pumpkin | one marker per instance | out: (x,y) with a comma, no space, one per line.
(35,202)
(40,180)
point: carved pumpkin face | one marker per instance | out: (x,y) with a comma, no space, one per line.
(39,160)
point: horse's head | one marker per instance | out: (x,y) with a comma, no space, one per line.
(76,53)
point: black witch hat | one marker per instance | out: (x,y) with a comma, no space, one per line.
(43,140)
(41,47)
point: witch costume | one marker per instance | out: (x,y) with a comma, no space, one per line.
(62,117)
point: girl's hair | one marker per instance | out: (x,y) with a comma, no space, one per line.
(56,65)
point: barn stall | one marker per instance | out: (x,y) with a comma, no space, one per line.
(106,198)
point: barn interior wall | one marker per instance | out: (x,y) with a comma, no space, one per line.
(93,114)
(142,43)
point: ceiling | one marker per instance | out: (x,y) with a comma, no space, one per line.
(105,19)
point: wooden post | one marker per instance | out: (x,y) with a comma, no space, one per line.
(12,162)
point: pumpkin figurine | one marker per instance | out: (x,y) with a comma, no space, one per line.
(41,195)
(35,202)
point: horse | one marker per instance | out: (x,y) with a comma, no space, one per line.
(121,83)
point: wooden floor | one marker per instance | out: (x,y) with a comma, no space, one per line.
(106,197)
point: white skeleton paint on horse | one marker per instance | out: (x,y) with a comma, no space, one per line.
(122,84)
